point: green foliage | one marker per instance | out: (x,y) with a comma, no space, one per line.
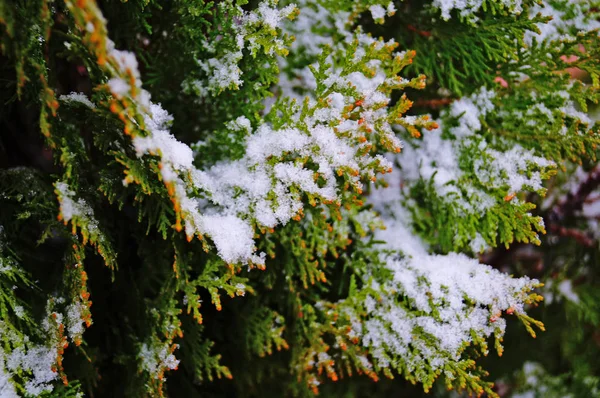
(149,114)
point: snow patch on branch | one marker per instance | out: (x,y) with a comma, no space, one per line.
(222,70)
(7,389)
(468,8)
(379,13)
(38,360)
(568,19)
(71,207)
(157,358)
(78,98)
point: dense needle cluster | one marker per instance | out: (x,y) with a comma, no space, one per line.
(280,195)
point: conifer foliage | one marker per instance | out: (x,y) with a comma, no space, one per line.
(262,198)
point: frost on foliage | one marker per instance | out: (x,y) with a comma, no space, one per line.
(451,300)
(467,8)
(432,306)
(471,172)
(74,320)
(81,215)
(271,192)
(509,168)
(314,18)
(378,12)
(35,363)
(71,207)
(77,98)
(175,155)
(469,111)
(457,296)
(249,30)
(7,389)
(438,157)
(155,359)
(319,25)
(6,263)
(39,360)
(569,17)
(175,160)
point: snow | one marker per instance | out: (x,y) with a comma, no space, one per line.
(127,62)
(39,360)
(222,70)
(7,389)
(78,98)
(232,237)
(437,283)
(74,320)
(469,111)
(241,123)
(566,289)
(224,73)
(562,27)
(36,359)
(448,297)
(377,12)
(510,168)
(271,16)
(71,207)
(118,87)
(154,359)
(266,191)
(479,245)
(437,157)
(467,8)
(175,155)
(19,311)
